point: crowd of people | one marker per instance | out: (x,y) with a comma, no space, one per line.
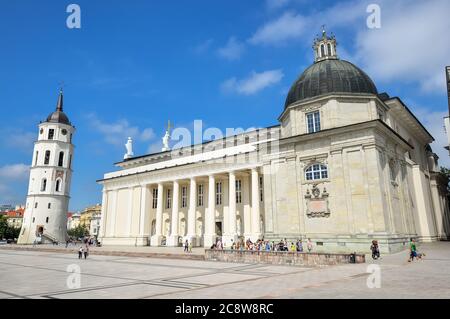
(266,245)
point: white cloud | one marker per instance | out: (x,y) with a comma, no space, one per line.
(116,133)
(155,147)
(11,177)
(289,26)
(203,47)
(22,140)
(412,44)
(276,4)
(232,50)
(14,172)
(253,83)
(434,123)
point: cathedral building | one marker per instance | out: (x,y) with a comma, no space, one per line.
(344,166)
(45,218)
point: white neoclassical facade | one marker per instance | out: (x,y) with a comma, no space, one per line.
(45,218)
(345,165)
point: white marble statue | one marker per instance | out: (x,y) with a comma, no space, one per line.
(129,147)
(166,139)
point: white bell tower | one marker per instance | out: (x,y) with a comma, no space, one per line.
(45,218)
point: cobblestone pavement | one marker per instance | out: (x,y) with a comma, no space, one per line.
(38,274)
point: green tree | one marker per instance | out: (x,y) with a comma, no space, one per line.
(3,226)
(79,231)
(6,231)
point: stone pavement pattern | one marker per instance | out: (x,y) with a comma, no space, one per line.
(38,274)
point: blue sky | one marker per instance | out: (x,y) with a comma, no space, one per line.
(135,64)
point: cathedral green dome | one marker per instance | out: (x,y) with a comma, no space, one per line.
(330,76)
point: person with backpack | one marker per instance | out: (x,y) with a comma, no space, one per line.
(375,250)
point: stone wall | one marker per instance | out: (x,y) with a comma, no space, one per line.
(281,257)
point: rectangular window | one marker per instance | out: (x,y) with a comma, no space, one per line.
(35,205)
(36,159)
(313,121)
(184,196)
(219,193)
(238,191)
(155,198)
(169,199)
(51,134)
(47,158)
(261,193)
(200,195)
(61,159)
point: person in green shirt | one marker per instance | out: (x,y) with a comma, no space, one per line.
(412,250)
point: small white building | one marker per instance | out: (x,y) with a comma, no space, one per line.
(73,221)
(45,218)
(95,224)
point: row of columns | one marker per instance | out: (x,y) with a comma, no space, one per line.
(209,235)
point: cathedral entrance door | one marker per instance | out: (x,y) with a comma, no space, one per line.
(219,228)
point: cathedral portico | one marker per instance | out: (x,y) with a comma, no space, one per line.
(199,208)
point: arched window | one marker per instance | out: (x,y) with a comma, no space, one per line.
(36,158)
(316,171)
(322,50)
(43,185)
(58,185)
(47,158)
(61,159)
(329,49)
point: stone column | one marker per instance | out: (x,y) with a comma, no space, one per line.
(256,231)
(210,214)
(174,232)
(112,232)
(156,239)
(104,212)
(191,234)
(130,211)
(231,236)
(144,211)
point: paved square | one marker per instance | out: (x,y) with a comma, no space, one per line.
(38,274)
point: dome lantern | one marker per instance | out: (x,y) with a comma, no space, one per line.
(325,47)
